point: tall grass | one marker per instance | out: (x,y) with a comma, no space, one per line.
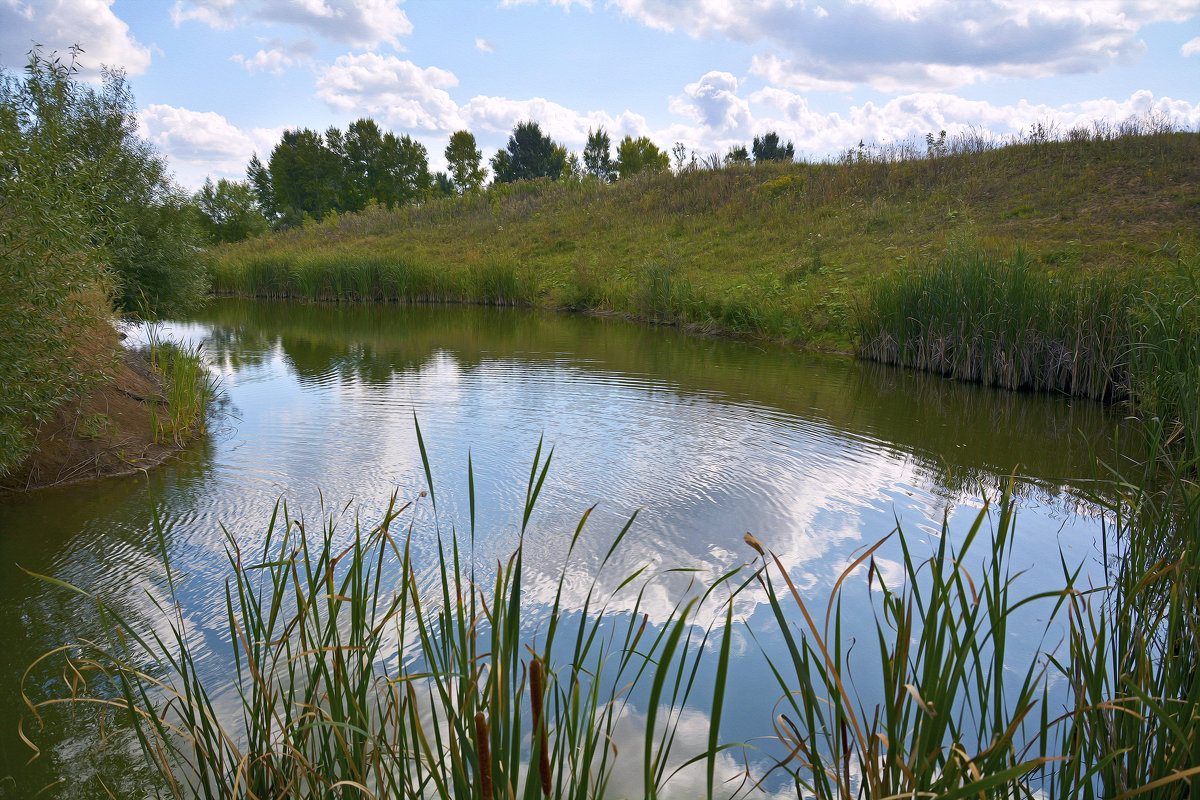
(358,677)
(1134,728)
(979,318)
(188,388)
(958,718)
(1002,322)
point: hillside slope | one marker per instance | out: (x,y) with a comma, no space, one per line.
(781,251)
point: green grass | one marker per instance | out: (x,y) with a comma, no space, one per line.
(778,251)
(188,388)
(363,673)
(349,686)
(1001,322)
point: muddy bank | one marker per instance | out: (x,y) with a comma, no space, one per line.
(109,431)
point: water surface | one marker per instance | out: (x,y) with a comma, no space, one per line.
(816,455)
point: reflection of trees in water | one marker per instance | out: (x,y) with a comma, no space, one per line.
(962,437)
(958,436)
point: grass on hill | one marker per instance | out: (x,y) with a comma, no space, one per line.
(782,251)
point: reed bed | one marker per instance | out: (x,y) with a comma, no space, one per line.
(1002,322)
(993,321)
(188,388)
(357,676)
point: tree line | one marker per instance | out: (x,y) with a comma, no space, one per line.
(310,175)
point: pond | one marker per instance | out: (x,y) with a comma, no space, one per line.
(818,456)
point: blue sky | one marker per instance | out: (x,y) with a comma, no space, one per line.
(216,80)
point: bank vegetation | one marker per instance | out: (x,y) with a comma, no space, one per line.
(90,227)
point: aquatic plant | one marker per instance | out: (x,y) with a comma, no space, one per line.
(188,388)
(363,672)
(355,676)
(977,317)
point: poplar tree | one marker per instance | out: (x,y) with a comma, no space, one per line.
(466,163)
(596,158)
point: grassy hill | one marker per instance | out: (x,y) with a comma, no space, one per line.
(781,251)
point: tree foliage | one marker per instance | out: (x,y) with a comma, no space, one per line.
(228,211)
(88,214)
(310,175)
(640,155)
(737,156)
(530,154)
(768,148)
(466,163)
(597,159)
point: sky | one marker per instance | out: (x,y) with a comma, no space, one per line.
(218,80)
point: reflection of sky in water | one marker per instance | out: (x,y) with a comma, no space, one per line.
(705,466)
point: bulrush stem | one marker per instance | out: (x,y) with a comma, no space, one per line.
(538,690)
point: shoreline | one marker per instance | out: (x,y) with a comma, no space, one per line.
(106,433)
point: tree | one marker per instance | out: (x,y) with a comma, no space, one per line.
(466,163)
(305,175)
(115,179)
(361,153)
(443,186)
(228,211)
(596,158)
(768,148)
(737,156)
(310,175)
(530,154)
(88,215)
(404,170)
(640,155)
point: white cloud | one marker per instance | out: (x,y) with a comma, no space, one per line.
(1191,47)
(399,92)
(199,144)
(566,125)
(59,24)
(909,117)
(714,103)
(279,57)
(485,45)
(365,23)
(900,45)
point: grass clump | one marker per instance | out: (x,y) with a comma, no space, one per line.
(188,387)
(1003,322)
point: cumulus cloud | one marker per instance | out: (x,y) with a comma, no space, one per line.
(59,24)
(199,144)
(909,117)
(280,56)
(365,23)
(917,44)
(500,115)
(1191,47)
(714,103)
(399,92)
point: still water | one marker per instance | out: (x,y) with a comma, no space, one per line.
(818,456)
